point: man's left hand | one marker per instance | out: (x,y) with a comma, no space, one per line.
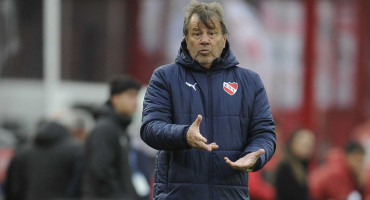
(247,162)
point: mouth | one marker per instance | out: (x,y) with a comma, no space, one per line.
(204,51)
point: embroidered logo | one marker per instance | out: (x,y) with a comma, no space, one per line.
(230,88)
(190,85)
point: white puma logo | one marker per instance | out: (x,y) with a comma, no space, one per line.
(190,85)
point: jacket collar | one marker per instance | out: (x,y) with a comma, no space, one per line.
(225,61)
(108,111)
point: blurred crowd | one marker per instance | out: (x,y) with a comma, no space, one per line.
(81,152)
(97,153)
(301,170)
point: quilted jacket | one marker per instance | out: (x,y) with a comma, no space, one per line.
(236,115)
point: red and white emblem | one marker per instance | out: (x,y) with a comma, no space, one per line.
(230,88)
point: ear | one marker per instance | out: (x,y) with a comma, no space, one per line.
(186,40)
(224,38)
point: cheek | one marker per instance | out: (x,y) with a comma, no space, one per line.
(190,47)
(132,103)
(132,108)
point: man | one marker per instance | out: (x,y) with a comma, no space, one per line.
(108,174)
(49,168)
(292,171)
(233,131)
(342,176)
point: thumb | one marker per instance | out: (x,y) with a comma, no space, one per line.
(198,120)
(260,152)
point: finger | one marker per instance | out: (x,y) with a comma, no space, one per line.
(260,152)
(200,138)
(198,120)
(213,145)
(228,161)
(234,165)
(204,146)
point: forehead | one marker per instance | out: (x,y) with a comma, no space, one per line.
(196,23)
(129,92)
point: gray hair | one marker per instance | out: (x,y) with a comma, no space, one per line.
(75,119)
(205,12)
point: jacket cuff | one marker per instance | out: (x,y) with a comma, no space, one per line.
(184,136)
(258,165)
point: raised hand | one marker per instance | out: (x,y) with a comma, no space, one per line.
(196,140)
(247,162)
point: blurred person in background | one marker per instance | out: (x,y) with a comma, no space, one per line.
(292,172)
(142,156)
(8,144)
(81,122)
(107,168)
(260,189)
(233,132)
(362,135)
(342,176)
(14,184)
(48,168)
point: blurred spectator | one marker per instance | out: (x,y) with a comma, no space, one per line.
(342,176)
(361,133)
(260,189)
(332,158)
(48,168)
(15,184)
(7,146)
(108,173)
(291,174)
(80,122)
(142,156)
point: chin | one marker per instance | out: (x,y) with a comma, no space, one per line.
(205,62)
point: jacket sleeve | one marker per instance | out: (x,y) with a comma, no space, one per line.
(261,134)
(101,157)
(157,129)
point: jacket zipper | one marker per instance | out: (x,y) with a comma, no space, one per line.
(210,128)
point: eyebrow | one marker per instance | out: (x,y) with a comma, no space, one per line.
(199,29)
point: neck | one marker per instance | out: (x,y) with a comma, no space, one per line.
(206,66)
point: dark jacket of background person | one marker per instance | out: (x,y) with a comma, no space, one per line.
(108,173)
(287,184)
(15,185)
(50,168)
(240,123)
(292,171)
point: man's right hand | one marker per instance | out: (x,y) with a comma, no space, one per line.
(196,140)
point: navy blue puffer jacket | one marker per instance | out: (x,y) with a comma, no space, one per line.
(236,115)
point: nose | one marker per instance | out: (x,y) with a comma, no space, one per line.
(204,39)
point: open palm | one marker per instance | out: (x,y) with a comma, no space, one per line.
(247,162)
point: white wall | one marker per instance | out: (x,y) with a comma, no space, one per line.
(25,100)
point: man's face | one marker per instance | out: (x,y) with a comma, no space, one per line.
(125,102)
(203,44)
(303,145)
(356,161)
